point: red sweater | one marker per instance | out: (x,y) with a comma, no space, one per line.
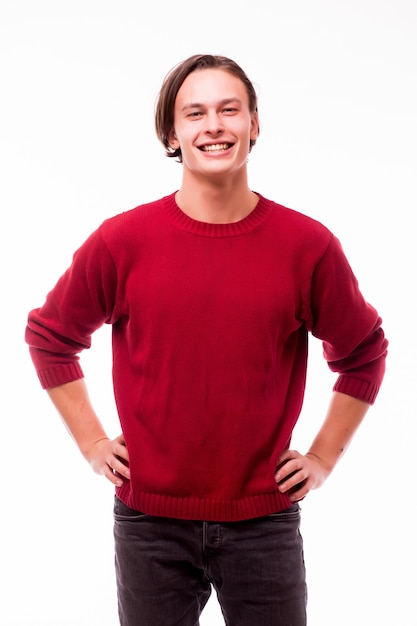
(210,325)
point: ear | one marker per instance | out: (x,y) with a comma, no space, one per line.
(254,126)
(172,140)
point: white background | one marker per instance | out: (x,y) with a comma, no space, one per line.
(337,98)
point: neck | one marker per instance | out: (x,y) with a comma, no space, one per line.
(216,201)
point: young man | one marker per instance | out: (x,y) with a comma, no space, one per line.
(211,293)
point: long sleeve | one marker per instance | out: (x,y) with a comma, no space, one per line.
(354,344)
(81,301)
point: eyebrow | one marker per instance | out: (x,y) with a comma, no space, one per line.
(199,105)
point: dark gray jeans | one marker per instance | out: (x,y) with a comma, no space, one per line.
(166,568)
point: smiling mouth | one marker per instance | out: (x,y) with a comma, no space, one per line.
(216,147)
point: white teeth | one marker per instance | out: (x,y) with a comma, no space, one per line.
(215,147)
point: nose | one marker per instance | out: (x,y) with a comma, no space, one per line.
(214,124)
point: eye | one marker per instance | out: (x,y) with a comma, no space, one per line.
(195,114)
(230,110)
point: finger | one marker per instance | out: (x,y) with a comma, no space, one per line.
(290,481)
(113,476)
(299,491)
(286,468)
(116,468)
(120,439)
(120,449)
(120,466)
(287,454)
(121,453)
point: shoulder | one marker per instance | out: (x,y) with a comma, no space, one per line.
(297,226)
(123,233)
(128,230)
(134,219)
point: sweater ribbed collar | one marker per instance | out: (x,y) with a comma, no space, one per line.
(182,221)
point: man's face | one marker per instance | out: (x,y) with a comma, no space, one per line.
(213,125)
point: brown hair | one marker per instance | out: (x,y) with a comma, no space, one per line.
(164,110)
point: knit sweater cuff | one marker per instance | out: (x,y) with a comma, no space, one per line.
(360,389)
(60,375)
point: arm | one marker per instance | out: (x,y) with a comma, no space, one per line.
(298,474)
(106,457)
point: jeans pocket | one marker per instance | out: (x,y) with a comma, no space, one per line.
(122,512)
(292,513)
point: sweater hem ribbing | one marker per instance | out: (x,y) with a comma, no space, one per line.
(204,509)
